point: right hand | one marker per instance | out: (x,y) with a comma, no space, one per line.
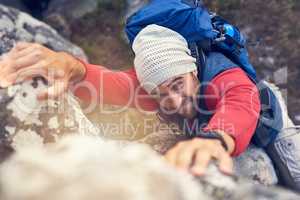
(28,60)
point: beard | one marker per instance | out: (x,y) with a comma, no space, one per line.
(187,108)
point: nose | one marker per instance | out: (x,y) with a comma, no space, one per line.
(172,103)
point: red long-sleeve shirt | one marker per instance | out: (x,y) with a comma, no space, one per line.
(233,98)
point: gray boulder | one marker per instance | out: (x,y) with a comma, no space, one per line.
(61,14)
(253,164)
(88,168)
(18,26)
(134,5)
(27,121)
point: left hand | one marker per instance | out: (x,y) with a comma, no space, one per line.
(195,155)
(28,60)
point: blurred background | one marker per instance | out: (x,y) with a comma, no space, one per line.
(271,26)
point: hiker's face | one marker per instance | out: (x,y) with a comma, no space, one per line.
(178,95)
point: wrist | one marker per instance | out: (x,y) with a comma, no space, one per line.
(77,69)
(228,140)
(223,139)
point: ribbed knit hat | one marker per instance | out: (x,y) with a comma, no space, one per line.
(160,54)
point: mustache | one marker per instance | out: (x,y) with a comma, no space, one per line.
(186,100)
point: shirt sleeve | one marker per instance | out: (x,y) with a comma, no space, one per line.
(103,86)
(236,107)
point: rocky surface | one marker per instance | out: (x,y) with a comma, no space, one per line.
(19,26)
(62,13)
(254,164)
(65,169)
(27,121)
(133,5)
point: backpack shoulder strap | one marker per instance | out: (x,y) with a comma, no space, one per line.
(196,51)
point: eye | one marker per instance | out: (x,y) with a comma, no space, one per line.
(177,86)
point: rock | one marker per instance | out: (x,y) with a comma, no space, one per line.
(65,169)
(297,118)
(27,121)
(134,5)
(18,26)
(131,7)
(254,164)
(22,119)
(61,14)
(162,140)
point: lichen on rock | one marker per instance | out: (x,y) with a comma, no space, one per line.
(48,120)
(18,26)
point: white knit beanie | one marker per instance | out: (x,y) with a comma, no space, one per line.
(160,54)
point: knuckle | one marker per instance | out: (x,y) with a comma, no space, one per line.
(37,46)
(180,145)
(224,156)
(38,54)
(196,141)
(183,157)
(170,152)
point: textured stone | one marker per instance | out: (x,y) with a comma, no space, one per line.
(256,165)
(134,5)
(27,121)
(62,13)
(88,168)
(253,164)
(18,26)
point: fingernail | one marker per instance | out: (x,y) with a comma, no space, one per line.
(5,84)
(227,171)
(180,168)
(198,171)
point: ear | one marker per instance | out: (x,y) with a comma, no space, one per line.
(195,74)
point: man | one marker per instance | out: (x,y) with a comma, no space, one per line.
(166,71)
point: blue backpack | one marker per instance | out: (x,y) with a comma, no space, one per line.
(207,32)
(200,28)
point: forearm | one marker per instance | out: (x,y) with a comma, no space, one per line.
(103,86)
(229,140)
(77,68)
(237,109)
